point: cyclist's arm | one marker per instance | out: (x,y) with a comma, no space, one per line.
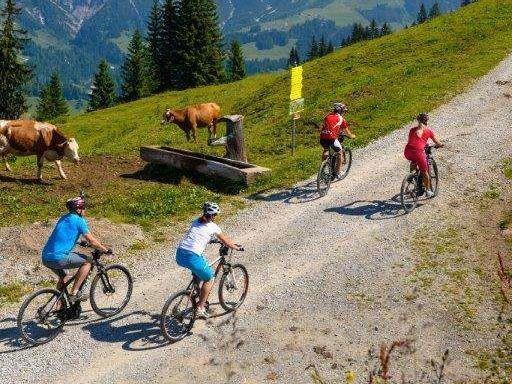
(227,241)
(436,141)
(95,243)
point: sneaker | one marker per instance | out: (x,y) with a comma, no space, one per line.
(201,313)
(429,193)
(80,296)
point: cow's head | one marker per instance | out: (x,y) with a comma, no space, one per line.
(168,116)
(70,147)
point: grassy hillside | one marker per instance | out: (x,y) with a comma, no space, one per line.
(384,81)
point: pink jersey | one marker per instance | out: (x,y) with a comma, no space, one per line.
(417,143)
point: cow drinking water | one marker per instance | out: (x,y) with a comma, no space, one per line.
(193,117)
(27,137)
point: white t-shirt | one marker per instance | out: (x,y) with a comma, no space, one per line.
(198,236)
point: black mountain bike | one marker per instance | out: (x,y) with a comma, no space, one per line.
(412,186)
(43,314)
(327,172)
(179,312)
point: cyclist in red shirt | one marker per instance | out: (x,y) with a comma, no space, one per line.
(415,149)
(335,125)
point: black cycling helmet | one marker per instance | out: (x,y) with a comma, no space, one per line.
(210,209)
(340,108)
(422,118)
(75,203)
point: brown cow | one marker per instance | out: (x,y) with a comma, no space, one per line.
(27,137)
(194,116)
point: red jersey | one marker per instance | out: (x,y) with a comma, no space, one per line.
(334,124)
(416,142)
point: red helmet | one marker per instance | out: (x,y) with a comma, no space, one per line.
(75,203)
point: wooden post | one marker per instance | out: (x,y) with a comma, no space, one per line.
(235,146)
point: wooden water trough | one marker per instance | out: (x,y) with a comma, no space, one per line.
(211,166)
(232,167)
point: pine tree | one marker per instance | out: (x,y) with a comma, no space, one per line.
(169,64)
(313,49)
(294,58)
(103,89)
(52,103)
(422,14)
(14,73)
(373,30)
(322,47)
(236,63)
(434,11)
(199,56)
(155,47)
(330,47)
(134,72)
(465,2)
(358,33)
(385,30)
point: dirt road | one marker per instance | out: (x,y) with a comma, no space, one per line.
(330,277)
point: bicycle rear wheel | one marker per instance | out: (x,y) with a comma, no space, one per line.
(408,194)
(40,316)
(434,176)
(348,163)
(178,316)
(324,177)
(233,287)
(111,290)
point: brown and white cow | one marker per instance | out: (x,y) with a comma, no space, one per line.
(193,117)
(27,137)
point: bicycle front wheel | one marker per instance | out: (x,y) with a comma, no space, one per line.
(408,194)
(40,316)
(345,167)
(111,290)
(233,287)
(324,177)
(178,316)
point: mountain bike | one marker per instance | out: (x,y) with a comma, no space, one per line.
(43,314)
(412,185)
(180,310)
(327,172)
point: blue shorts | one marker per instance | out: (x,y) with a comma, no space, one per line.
(72,260)
(196,263)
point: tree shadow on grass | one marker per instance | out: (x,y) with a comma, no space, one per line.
(10,179)
(296,195)
(372,210)
(167,175)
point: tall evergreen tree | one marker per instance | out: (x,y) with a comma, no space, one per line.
(422,14)
(434,11)
(103,90)
(373,30)
(199,56)
(358,33)
(52,103)
(155,44)
(330,47)
(236,63)
(14,72)
(385,30)
(170,61)
(134,72)
(313,49)
(322,47)
(294,58)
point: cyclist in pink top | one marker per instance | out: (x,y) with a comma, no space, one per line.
(415,149)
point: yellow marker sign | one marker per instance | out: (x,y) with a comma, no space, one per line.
(296,88)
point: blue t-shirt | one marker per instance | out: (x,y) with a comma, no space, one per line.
(64,237)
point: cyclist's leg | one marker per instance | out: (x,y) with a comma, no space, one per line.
(199,268)
(325,145)
(423,167)
(80,261)
(340,155)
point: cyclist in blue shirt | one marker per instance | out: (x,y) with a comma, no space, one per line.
(58,252)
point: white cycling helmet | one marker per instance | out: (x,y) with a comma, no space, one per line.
(210,208)
(340,108)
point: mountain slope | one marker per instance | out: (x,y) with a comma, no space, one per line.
(385,82)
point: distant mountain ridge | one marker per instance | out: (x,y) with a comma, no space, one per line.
(71,36)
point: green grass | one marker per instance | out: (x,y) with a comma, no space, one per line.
(385,82)
(12,293)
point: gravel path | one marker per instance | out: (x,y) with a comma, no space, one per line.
(327,277)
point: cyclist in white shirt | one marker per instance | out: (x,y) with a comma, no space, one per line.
(190,250)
